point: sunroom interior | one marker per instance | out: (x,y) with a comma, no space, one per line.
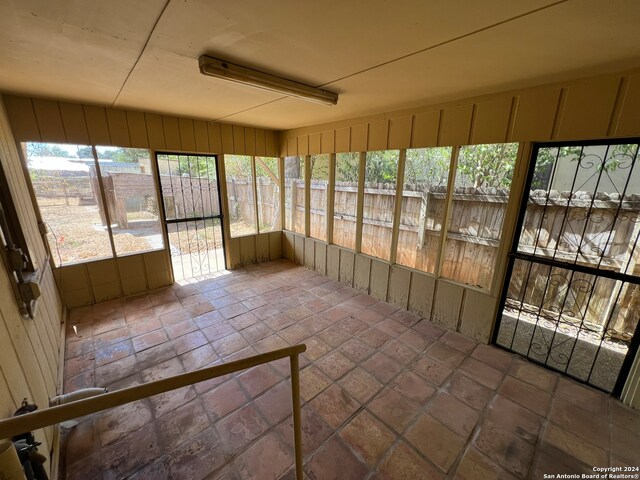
(455,242)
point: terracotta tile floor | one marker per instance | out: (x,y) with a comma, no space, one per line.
(386,394)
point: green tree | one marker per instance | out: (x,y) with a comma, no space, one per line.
(427,166)
(382,166)
(195,166)
(35,149)
(347,167)
(487,165)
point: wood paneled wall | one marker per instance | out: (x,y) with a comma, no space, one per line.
(598,107)
(40,120)
(29,349)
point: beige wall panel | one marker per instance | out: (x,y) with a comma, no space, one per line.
(478,315)
(292,146)
(333,262)
(303,145)
(400,132)
(347,262)
(49,120)
(448,300)
(276,240)
(629,121)
(399,284)
(7,404)
(233,253)
(421,294)
(227,138)
(315,143)
(97,125)
(328,142)
(588,108)
(535,115)
(309,253)
(133,285)
(107,291)
(22,118)
(156,262)
(238,140)
(202,136)
(321,258)
(262,247)
(102,271)
(75,126)
(77,298)
(271,143)
(378,135)
(72,277)
(187,134)
(248,249)
(261,146)
(425,129)
(289,246)
(250,141)
(456,125)
(343,139)
(362,273)
(131,266)
(491,123)
(359,138)
(159,279)
(171,133)
(299,249)
(155,131)
(132,274)
(118,128)
(10,358)
(137,130)
(215,137)
(379,279)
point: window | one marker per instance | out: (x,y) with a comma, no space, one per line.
(294,203)
(480,196)
(345,200)
(69,185)
(67,190)
(268,188)
(319,168)
(424,195)
(240,193)
(130,190)
(381,173)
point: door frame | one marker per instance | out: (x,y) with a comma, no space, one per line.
(513,255)
(166,222)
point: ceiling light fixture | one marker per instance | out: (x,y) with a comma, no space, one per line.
(236,73)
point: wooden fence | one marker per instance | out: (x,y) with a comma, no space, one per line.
(475,228)
(241,202)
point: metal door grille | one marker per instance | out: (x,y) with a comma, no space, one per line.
(191,205)
(571,300)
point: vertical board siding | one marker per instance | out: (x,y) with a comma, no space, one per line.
(29,349)
(118,127)
(74,124)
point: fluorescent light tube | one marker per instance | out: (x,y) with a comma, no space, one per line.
(235,73)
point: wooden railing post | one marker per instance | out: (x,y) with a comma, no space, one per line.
(297,421)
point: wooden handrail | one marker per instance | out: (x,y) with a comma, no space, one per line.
(68,411)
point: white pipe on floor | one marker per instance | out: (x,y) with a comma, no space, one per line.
(77,395)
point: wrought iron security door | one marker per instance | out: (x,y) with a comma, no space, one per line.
(572,297)
(191,204)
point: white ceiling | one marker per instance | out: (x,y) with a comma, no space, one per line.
(380,55)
